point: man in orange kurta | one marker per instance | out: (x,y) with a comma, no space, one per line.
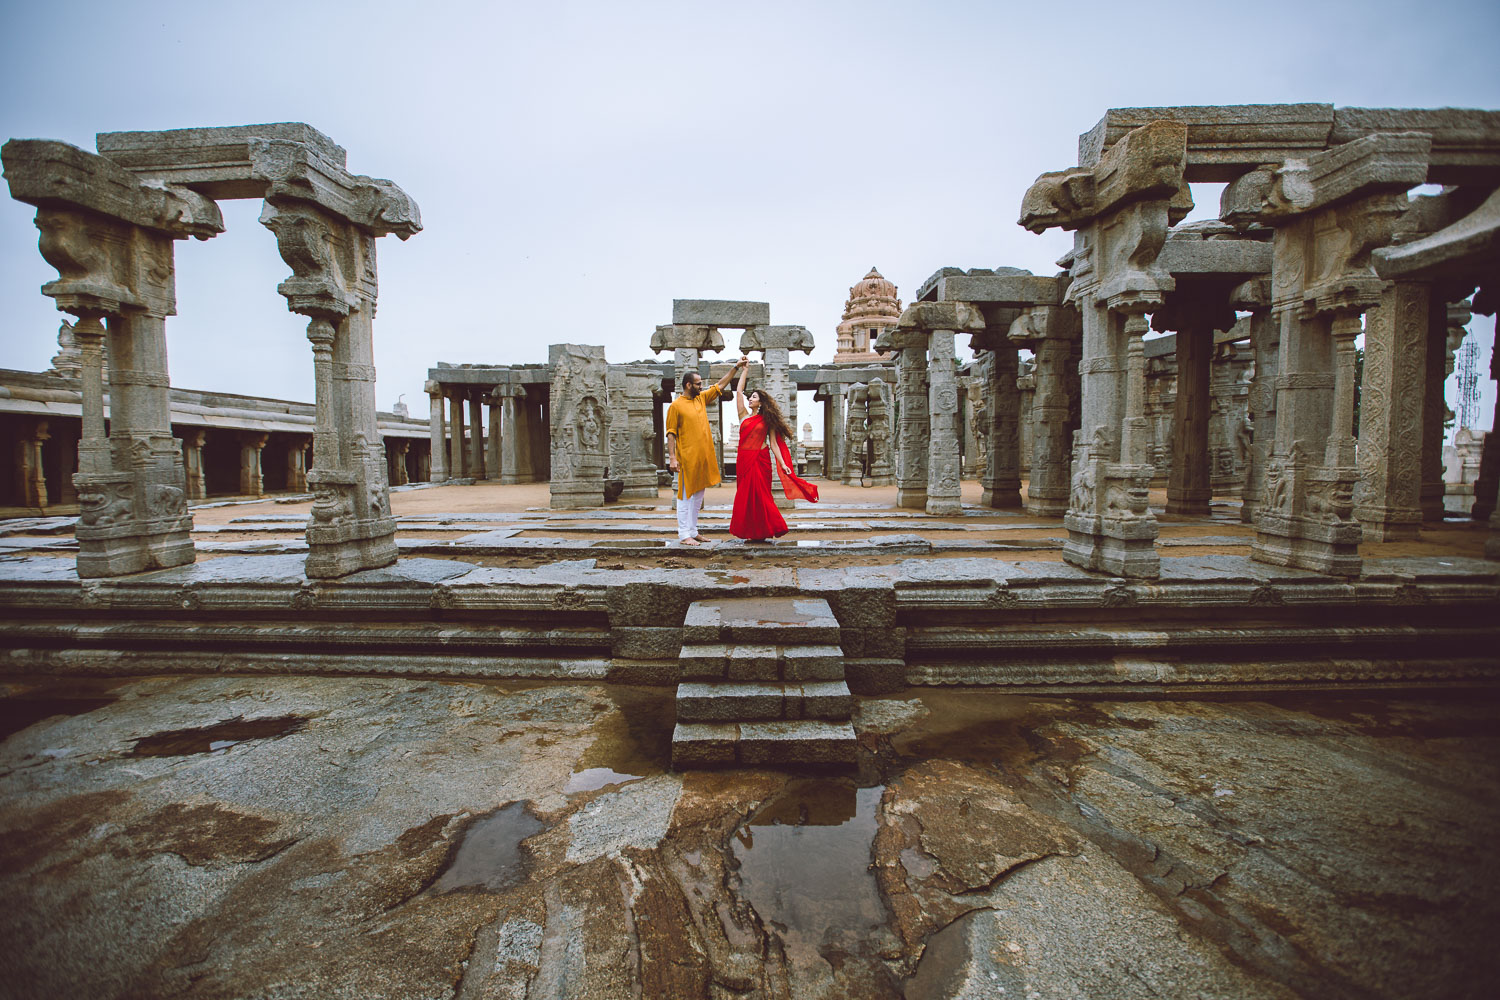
(690,449)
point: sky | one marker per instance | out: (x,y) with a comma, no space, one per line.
(579,165)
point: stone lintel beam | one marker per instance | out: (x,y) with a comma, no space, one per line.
(1473,241)
(720,312)
(1146,163)
(1195,306)
(791,338)
(1215,250)
(1376,164)
(1465,141)
(1222,141)
(284,161)
(691,337)
(479,375)
(960,317)
(1017,291)
(51,174)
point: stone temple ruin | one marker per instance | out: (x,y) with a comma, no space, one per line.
(1018,657)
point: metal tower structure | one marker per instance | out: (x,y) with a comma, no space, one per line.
(1468,384)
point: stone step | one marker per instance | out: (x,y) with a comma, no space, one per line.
(717,661)
(738,702)
(760,620)
(799,741)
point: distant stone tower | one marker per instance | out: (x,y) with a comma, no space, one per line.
(872,306)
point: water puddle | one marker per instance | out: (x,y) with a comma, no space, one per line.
(489,856)
(630,543)
(804,864)
(21,713)
(727,577)
(221,736)
(594,778)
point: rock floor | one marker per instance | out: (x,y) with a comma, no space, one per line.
(361,837)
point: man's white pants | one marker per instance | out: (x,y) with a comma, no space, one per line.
(687,516)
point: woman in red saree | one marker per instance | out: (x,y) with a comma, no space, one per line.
(763,446)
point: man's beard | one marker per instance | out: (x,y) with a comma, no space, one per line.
(693,391)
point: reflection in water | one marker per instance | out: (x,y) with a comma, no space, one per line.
(489,856)
(804,864)
(594,778)
(182,742)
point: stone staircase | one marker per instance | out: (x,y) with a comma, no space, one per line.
(762,683)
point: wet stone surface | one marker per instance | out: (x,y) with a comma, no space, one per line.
(347,837)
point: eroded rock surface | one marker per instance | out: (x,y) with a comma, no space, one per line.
(338,837)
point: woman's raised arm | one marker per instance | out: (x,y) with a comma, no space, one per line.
(739,390)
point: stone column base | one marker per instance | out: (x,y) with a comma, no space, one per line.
(1122,546)
(1047,504)
(350,546)
(913,498)
(572,496)
(1389,524)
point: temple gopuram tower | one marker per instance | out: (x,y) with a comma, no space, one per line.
(872,306)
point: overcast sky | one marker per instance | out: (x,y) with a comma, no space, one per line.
(579,165)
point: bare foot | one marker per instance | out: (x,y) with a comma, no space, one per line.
(699,538)
(689,541)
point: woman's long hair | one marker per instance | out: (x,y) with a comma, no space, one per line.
(770,414)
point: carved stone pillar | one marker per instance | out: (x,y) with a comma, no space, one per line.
(476,436)
(831,395)
(192,462)
(398,449)
(1052,334)
(437,431)
(252,481)
(579,428)
(515,436)
(878,432)
(1001,437)
(914,420)
(1487,485)
(30,476)
(1451,318)
(776,344)
(296,463)
(943,461)
(1195,311)
(492,441)
(630,432)
(1330,212)
(1265,347)
(458,460)
(1392,402)
(856,435)
(1121,207)
(110,238)
(333,283)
